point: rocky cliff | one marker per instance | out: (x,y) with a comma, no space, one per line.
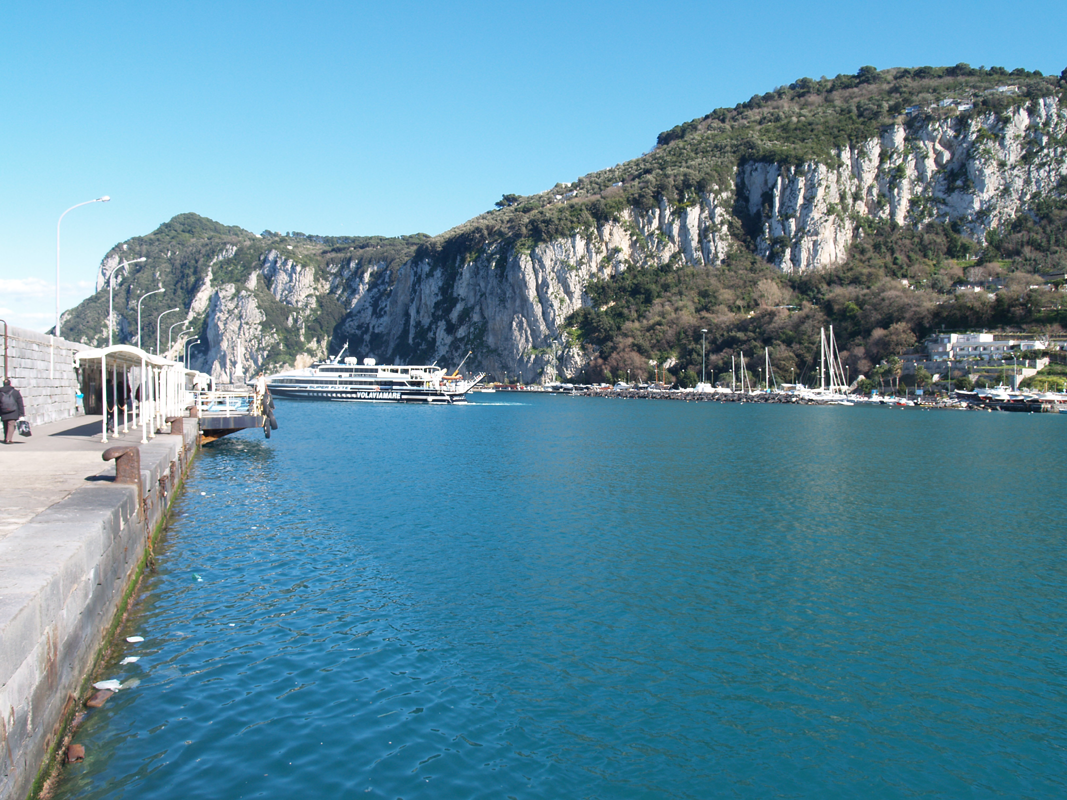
(972,157)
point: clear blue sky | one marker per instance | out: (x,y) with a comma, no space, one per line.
(368,118)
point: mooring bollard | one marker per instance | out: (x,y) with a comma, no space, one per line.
(176,426)
(127,465)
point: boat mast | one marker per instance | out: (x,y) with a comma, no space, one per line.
(835,362)
(837,371)
(822,359)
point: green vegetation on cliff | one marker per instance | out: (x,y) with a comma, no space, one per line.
(806,121)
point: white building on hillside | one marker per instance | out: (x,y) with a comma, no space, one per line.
(984,346)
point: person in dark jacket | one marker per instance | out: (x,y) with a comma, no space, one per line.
(11,409)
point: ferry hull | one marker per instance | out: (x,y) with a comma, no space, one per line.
(364,396)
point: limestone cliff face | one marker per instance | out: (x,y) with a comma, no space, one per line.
(239,339)
(291,283)
(979,171)
(510,306)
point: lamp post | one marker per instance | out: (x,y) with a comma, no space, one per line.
(143,296)
(170,332)
(103,199)
(158,319)
(703,361)
(189,348)
(111,298)
(181,344)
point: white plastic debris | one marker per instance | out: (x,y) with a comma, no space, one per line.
(134,639)
(112,685)
(130,660)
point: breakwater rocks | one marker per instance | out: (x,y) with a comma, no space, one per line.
(779,398)
(789,398)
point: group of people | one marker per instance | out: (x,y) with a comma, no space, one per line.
(11,409)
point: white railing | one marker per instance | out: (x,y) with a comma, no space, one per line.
(228,404)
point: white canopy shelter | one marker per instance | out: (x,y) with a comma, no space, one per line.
(165,387)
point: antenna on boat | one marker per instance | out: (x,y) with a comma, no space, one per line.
(337,358)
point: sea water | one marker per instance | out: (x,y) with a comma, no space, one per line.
(555,597)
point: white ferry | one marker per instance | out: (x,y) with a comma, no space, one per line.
(373,383)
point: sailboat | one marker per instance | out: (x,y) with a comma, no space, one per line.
(771,380)
(833,388)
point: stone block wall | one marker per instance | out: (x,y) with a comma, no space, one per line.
(63,577)
(41,367)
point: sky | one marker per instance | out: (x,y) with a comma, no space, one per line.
(361,118)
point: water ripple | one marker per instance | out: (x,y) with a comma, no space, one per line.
(577,598)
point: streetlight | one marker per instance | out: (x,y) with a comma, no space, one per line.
(188,349)
(143,296)
(703,361)
(181,343)
(103,199)
(158,319)
(170,332)
(111,296)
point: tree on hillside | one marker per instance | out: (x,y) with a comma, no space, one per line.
(688,379)
(895,367)
(879,373)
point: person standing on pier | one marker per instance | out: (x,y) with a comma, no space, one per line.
(11,409)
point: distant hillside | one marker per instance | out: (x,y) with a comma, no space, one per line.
(864,200)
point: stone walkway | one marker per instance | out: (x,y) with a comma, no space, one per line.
(45,468)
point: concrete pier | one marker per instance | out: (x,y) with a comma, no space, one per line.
(73,541)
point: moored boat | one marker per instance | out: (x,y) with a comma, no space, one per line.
(369,382)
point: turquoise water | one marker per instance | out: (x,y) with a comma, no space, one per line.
(583,598)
